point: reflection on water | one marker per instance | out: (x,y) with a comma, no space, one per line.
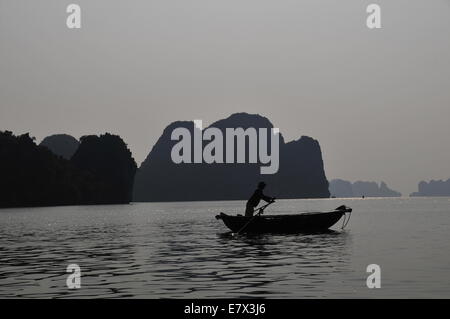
(303,261)
(179,250)
(244,265)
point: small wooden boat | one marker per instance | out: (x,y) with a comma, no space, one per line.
(295,223)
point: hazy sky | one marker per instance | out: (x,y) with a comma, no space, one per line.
(378,101)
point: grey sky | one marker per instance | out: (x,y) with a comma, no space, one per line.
(378,101)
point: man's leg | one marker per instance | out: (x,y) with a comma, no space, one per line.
(249,211)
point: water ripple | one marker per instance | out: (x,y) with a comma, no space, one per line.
(179,250)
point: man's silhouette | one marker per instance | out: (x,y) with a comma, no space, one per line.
(255,199)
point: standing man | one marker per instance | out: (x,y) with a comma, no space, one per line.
(256,198)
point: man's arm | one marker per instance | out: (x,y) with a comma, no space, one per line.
(267,198)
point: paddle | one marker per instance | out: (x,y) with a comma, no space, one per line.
(261,210)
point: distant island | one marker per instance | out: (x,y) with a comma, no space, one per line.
(344,189)
(300,175)
(101,171)
(433,188)
(61,144)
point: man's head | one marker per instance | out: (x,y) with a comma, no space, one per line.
(261,185)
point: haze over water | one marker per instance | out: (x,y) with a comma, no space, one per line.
(376,100)
(179,250)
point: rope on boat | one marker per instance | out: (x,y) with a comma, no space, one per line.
(346,220)
(260,212)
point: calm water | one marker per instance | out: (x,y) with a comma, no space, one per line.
(179,250)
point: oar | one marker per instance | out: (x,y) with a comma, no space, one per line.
(261,210)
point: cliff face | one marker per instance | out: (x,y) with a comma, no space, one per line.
(61,144)
(101,172)
(33,176)
(341,188)
(109,160)
(300,174)
(433,188)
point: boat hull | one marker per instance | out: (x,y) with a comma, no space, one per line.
(298,223)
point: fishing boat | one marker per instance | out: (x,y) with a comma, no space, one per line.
(293,223)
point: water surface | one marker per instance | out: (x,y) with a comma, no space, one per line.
(179,250)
